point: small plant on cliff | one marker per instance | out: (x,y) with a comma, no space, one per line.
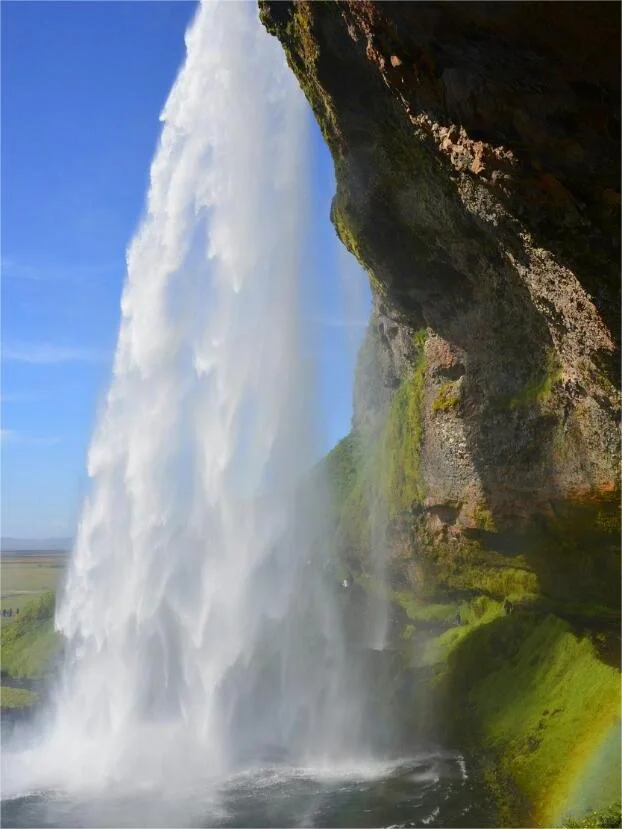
(419,338)
(448,398)
(483,518)
(539,388)
(401,469)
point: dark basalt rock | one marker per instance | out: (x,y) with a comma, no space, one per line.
(477,159)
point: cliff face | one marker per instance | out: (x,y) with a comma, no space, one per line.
(477,158)
(476,151)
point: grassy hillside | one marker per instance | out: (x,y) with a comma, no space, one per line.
(29,642)
(24,577)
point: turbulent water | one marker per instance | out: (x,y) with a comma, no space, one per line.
(205,679)
(195,611)
(431,790)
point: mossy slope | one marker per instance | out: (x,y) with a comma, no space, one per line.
(539,699)
(523,660)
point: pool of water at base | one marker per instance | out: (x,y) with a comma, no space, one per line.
(432,789)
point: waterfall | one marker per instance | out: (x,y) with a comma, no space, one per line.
(198,616)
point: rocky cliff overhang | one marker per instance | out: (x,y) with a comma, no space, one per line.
(477,159)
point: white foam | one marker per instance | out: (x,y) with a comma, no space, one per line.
(188,576)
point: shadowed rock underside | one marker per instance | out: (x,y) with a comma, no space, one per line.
(477,159)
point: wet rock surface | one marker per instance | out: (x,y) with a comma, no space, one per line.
(477,157)
(477,160)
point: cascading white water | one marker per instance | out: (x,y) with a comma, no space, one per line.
(198,623)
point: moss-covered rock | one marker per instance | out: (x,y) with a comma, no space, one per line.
(539,699)
(477,162)
(476,234)
(610,816)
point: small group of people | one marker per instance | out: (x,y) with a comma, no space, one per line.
(8,612)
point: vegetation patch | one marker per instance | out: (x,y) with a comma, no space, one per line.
(374,480)
(534,695)
(427,612)
(402,483)
(295,28)
(448,398)
(539,389)
(610,816)
(29,643)
(483,518)
(16,697)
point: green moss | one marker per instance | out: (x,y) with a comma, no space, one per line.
(539,389)
(402,482)
(17,697)
(341,467)
(484,518)
(611,816)
(296,31)
(408,632)
(448,398)
(462,564)
(419,339)
(535,696)
(472,614)
(380,480)
(420,611)
(29,643)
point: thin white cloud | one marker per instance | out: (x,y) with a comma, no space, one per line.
(48,354)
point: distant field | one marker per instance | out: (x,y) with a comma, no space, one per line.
(24,577)
(28,641)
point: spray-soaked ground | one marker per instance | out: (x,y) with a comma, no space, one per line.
(430,790)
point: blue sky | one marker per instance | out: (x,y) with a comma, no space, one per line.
(83,87)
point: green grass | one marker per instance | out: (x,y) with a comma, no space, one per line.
(513,681)
(31,573)
(16,697)
(401,481)
(536,696)
(23,578)
(341,466)
(420,611)
(479,611)
(29,642)
(462,564)
(610,816)
(377,478)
